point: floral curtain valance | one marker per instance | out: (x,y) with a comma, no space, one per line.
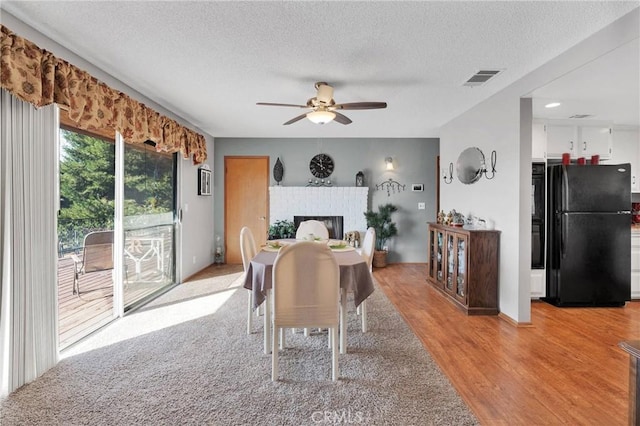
(38,77)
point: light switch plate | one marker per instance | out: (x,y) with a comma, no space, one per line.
(421,206)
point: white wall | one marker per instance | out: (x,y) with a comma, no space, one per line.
(196,236)
(496,124)
(197,226)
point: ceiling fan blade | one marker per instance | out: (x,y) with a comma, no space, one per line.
(361,105)
(293,120)
(342,119)
(284,105)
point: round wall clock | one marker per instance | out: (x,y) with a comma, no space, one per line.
(321,166)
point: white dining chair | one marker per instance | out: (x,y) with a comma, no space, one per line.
(366,251)
(248,251)
(315,227)
(305,293)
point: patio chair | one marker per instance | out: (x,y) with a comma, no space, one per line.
(97,255)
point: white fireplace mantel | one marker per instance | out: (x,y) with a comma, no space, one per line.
(350,202)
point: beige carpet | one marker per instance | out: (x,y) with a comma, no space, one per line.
(186,360)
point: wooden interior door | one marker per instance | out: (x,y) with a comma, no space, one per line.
(246,202)
(438,177)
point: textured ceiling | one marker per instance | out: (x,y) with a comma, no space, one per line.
(210,62)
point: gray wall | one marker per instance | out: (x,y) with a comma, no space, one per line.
(414,161)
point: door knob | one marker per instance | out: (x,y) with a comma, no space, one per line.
(263,218)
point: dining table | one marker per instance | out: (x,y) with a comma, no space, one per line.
(355,277)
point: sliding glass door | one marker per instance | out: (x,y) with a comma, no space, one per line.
(116,229)
(148,222)
(85,273)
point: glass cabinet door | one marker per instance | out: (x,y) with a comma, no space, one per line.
(431,270)
(451,261)
(439,257)
(461,267)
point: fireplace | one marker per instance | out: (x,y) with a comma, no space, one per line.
(333,224)
(348,202)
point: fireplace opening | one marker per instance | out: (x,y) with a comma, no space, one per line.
(333,224)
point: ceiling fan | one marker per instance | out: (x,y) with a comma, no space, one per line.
(323,107)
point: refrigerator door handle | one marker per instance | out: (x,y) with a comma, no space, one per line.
(565,190)
(563,234)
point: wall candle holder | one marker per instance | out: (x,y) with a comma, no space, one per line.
(494,159)
(391,186)
(448,179)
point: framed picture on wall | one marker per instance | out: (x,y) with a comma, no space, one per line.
(204,181)
(417,187)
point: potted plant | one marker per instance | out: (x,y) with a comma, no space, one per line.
(385,229)
(282,229)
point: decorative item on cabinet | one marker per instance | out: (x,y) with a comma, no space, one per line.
(453,218)
(463,265)
(278,171)
(360,179)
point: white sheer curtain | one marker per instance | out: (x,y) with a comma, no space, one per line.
(28,206)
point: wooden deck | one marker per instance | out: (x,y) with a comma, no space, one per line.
(81,314)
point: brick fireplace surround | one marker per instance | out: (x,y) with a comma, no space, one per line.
(350,202)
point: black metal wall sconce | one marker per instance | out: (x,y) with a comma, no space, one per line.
(448,178)
(494,159)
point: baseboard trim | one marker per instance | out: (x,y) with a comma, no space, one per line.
(513,322)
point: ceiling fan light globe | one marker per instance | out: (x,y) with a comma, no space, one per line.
(321,117)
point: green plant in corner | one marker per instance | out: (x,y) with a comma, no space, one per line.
(282,229)
(381,222)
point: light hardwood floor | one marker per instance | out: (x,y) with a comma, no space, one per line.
(566,368)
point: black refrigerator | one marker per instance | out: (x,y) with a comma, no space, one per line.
(589,235)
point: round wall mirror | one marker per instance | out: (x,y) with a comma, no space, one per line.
(470,165)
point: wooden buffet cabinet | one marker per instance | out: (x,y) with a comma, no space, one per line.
(463,264)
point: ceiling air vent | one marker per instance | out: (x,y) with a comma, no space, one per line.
(481,77)
(581,116)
